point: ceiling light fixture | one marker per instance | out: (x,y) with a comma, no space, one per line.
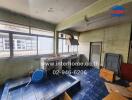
(50,10)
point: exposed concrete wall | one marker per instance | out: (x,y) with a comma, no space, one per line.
(114,39)
(98,7)
(10,69)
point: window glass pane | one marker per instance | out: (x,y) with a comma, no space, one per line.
(70,48)
(76,37)
(45,45)
(41,32)
(13,27)
(60,45)
(65,46)
(24,45)
(73,48)
(1,43)
(29,44)
(4,45)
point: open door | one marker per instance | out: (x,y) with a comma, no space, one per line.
(95,53)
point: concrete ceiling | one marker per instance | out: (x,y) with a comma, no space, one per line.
(52,11)
(103,20)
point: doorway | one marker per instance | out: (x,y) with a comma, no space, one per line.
(95,53)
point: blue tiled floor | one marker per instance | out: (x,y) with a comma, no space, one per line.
(1,90)
(92,86)
(50,88)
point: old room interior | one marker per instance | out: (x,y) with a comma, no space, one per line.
(65,50)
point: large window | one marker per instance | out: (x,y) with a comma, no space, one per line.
(45,45)
(42,32)
(63,44)
(60,45)
(25,41)
(24,45)
(17,40)
(4,45)
(13,27)
(73,48)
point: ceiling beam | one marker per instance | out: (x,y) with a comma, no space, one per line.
(94,9)
(16,18)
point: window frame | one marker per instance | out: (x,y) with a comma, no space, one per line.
(11,33)
(46,37)
(6,44)
(11,24)
(11,49)
(64,38)
(1,44)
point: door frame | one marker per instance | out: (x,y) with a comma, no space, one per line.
(100,52)
(130,46)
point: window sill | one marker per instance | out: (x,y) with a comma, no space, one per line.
(36,57)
